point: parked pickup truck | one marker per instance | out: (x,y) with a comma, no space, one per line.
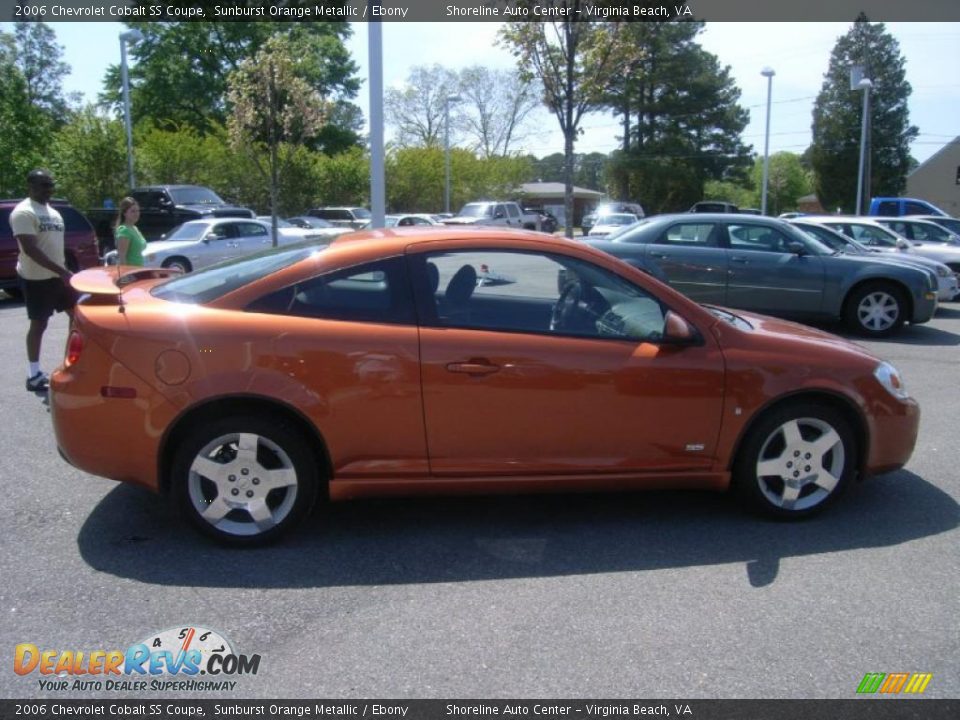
(162,208)
(899,206)
(495,212)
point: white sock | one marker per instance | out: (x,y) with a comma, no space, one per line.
(34,369)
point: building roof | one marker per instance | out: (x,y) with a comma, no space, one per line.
(952,145)
(557,190)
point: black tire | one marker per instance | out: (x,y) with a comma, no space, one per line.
(238,492)
(178,263)
(875,309)
(796,461)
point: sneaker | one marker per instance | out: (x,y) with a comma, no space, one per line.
(38,382)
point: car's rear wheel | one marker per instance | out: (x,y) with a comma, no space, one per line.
(178,263)
(876,309)
(245,480)
(796,460)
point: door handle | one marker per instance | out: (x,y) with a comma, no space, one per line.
(661,256)
(473,367)
(741,260)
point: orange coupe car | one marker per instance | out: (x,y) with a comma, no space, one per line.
(454,361)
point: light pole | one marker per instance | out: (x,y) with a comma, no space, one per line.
(768,73)
(446,147)
(866,86)
(132,37)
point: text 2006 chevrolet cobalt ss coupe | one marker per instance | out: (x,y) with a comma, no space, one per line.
(452,361)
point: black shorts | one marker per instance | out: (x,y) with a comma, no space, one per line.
(45,297)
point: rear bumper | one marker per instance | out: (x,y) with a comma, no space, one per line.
(115,438)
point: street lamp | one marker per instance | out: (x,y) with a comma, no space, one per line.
(866,86)
(446,147)
(768,73)
(132,37)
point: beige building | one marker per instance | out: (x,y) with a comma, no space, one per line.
(938,179)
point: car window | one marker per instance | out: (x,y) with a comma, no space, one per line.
(915,208)
(929,233)
(873,236)
(250,229)
(208,284)
(898,227)
(72,219)
(362,214)
(513,210)
(832,239)
(690,234)
(538,293)
(757,237)
(188,231)
(376,292)
(888,208)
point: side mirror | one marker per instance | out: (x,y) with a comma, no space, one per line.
(797,247)
(210,236)
(903,245)
(677,331)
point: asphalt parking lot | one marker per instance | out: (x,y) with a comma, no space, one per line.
(665,595)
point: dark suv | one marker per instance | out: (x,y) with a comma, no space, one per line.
(79,240)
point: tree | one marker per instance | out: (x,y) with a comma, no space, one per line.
(787,181)
(837,116)
(574,60)
(39,61)
(26,129)
(417,110)
(682,122)
(181,69)
(89,159)
(495,105)
(273,109)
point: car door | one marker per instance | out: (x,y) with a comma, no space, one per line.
(504,394)
(691,255)
(767,276)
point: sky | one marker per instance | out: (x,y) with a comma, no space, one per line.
(799,53)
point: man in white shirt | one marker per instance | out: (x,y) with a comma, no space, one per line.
(41,265)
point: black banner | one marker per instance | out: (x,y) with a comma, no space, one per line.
(473,10)
(162,709)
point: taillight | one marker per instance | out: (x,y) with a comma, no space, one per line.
(74,348)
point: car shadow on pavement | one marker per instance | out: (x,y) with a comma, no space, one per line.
(907,335)
(132,534)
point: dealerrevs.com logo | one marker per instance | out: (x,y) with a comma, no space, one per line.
(894,683)
(187,658)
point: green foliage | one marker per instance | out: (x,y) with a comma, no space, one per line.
(728,191)
(29,106)
(274,109)
(342,179)
(787,182)
(683,118)
(416,178)
(838,113)
(181,70)
(89,159)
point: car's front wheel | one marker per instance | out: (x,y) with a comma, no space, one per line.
(796,460)
(178,263)
(245,480)
(876,309)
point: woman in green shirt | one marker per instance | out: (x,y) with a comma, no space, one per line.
(130,241)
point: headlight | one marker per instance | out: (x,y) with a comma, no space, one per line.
(943,271)
(888,376)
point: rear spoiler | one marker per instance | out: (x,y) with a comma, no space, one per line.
(110,280)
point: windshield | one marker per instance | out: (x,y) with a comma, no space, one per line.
(188,231)
(477,210)
(203,286)
(195,196)
(617,219)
